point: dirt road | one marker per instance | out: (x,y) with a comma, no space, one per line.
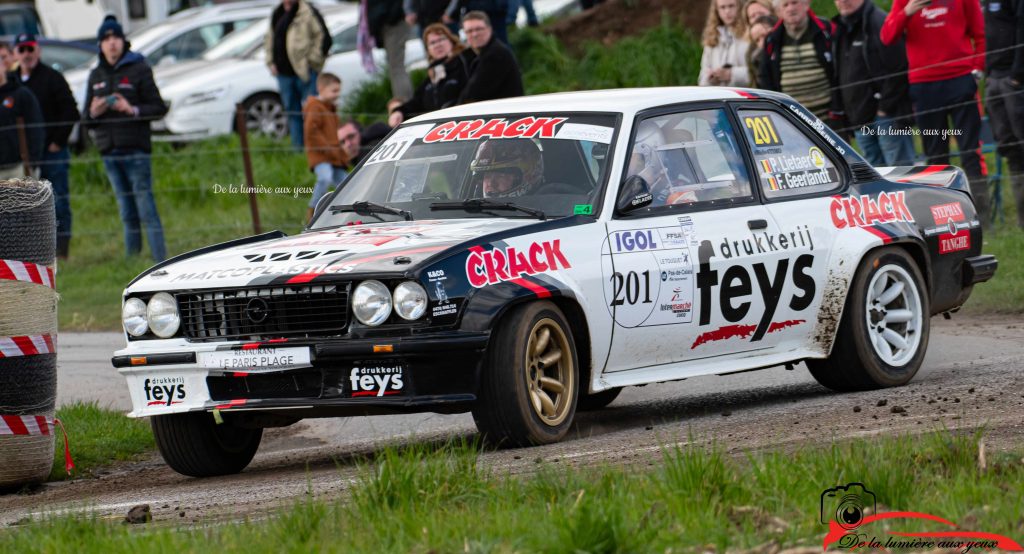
(973,376)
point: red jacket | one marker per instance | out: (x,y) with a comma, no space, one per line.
(939,38)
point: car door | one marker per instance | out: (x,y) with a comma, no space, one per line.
(799,175)
(690,276)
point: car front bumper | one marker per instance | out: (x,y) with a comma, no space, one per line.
(439,371)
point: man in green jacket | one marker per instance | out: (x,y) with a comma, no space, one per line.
(294,54)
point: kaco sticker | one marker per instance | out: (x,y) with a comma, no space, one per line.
(475,129)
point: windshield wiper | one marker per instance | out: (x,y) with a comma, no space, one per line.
(369,208)
(482,204)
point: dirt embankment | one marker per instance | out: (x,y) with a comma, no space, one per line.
(615,19)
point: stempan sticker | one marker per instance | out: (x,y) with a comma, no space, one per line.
(476,129)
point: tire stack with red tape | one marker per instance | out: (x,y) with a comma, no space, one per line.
(28,332)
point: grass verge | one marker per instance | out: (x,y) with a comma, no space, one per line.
(422,500)
(98,438)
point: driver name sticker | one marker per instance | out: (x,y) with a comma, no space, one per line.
(398,144)
(582,131)
(475,129)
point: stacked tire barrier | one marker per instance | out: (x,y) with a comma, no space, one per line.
(28,331)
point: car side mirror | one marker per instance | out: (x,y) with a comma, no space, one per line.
(633,195)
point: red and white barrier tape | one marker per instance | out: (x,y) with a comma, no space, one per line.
(36,425)
(29,272)
(26,346)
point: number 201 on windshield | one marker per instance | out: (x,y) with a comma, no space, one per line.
(762,130)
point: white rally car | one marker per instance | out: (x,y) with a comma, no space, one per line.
(525,258)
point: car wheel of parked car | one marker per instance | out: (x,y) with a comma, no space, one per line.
(883,335)
(265,115)
(194,444)
(528,388)
(598,400)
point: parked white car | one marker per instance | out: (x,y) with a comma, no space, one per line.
(203,94)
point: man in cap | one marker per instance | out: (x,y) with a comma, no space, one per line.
(16,102)
(121,100)
(60,115)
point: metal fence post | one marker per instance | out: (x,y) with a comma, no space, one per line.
(23,147)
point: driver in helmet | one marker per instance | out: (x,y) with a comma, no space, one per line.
(507,168)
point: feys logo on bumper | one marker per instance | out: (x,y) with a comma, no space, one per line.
(526,127)
(865,211)
(490,267)
(164,391)
(377,380)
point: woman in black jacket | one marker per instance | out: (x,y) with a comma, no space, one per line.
(446,76)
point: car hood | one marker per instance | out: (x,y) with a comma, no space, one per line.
(207,75)
(299,259)
(163,74)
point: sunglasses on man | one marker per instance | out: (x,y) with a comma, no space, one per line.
(26,48)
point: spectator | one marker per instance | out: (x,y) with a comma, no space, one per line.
(351,139)
(60,114)
(513,13)
(1004,33)
(755,9)
(386,19)
(945,45)
(798,57)
(424,13)
(18,101)
(326,158)
(494,72)
(293,50)
(496,10)
(756,34)
(872,84)
(8,61)
(446,76)
(119,116)
(723,61)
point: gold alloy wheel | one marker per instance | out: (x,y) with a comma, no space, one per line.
(549,372)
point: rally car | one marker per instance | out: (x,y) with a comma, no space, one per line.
(523,259)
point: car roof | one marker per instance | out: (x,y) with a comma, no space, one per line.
(626,101)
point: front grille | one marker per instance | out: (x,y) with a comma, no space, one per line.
(260,313)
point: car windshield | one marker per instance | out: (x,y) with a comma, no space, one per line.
(239,43)
(544,165)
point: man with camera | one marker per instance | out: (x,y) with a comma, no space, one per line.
(120,102)
(946,54)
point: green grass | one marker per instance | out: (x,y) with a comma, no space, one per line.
(424,499)
(98,438)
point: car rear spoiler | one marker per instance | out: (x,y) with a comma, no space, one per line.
(945,176)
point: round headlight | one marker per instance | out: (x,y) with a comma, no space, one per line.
(371,303)
(163,315)
(133,317)
(410,300)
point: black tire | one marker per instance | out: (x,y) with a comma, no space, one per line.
(194,444)
(258,104)
(855,363)
(598,400)
(28,234)
(510,386)
(28,384)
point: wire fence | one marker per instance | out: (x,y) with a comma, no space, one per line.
(189,157)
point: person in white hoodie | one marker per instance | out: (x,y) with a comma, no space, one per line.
(724,60)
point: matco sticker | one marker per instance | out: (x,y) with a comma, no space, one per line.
(475,129)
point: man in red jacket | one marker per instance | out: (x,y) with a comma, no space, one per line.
(946,53)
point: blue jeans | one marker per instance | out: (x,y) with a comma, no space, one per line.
(513,12)
(55,170)
(131,176)
(293,94)
(884,145)
(327,176)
